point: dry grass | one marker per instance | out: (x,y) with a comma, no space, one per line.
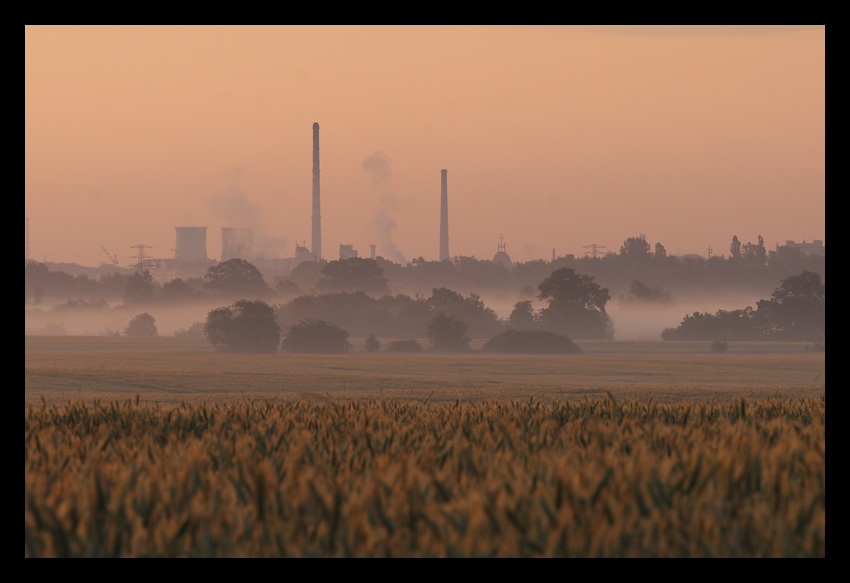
(401,478)
(171,369)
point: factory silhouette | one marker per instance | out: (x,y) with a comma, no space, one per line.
(190,251)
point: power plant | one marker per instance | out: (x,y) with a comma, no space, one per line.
(317,203)
(237,243)
(444,216)
(191,244)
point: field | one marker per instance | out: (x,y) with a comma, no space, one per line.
(171,370)
(163,448)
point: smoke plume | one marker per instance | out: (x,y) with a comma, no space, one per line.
(384,226)
(378,167)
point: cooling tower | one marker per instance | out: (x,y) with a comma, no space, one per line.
(444,216)
(317,206)
(191,244)
(237,243)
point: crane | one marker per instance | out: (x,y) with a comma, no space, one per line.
(114,258)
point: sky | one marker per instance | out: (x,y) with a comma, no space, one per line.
(555,137)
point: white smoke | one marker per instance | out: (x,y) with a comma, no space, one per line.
(384,226)
(378,167)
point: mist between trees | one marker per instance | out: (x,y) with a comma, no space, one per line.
(391,300)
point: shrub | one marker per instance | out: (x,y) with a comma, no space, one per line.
(316,337)
(372,344)
(530,342)
(719,346)
(141,325)
(448,333)
(245,326)
(404,346)
(196,329)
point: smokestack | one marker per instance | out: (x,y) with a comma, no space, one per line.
(317,206)
(444,216)
(372,248)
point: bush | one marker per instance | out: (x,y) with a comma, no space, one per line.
(316,337)
(448,333)
(196,329)
(719,346)
(141,325)
(530,342)
(245,326)
(404,346)
(372,344)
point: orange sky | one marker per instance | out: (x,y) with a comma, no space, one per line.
(555,137)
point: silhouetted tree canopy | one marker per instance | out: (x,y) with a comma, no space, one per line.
(316,337)
(140,288)
(795,311)
(576,305)
(482,322)
(640,293)
(235,277)
(530,342)
(351,275)
(522,317)
(448,333)
(176,291)
(245,326)
(410,345)
(141,325)
(372,344)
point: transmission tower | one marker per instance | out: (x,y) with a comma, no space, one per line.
(140,257)
(593,248)
(531,249)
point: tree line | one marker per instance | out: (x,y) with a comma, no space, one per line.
(747,266)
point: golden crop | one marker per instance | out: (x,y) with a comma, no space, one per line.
(393,478)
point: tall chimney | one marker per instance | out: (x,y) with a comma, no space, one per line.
(317,206)
(444,216)
(372,248)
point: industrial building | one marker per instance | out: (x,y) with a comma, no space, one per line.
(237,243)
(814,248)
(347,252)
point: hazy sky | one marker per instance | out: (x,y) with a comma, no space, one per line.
(555,137)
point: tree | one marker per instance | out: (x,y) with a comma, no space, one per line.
(522,316)
(530,342)
(796,310)
(287,288)
(235,277)
(641,293)
(755,253)
(735,247)
(176,290)
(140,288)
(482,321)
(355,274)
(316,337)
(141,325)
(372,344)
(660,251)
(245,326)
(448,333)
(635,249)
(576,305)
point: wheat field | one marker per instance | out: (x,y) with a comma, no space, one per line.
(163,448)
(391,478)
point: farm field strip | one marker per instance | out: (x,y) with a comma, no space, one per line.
(603,477)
